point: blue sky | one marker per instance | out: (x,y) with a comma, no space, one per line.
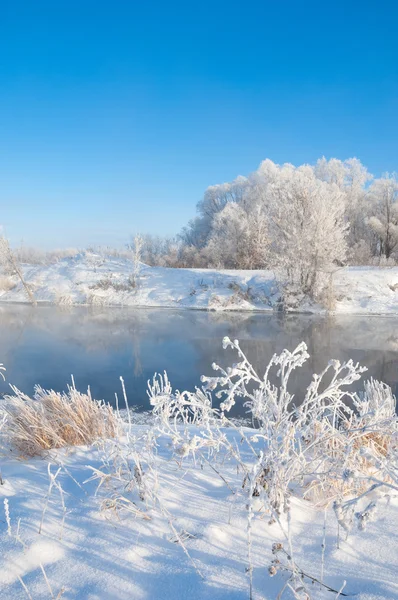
(115,116)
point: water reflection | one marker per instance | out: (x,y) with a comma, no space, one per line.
(46,345)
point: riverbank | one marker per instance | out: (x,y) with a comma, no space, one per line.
(92,279)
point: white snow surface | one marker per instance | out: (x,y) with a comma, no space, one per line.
(94,279)
(102,556)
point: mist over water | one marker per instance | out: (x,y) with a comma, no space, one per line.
(46,345)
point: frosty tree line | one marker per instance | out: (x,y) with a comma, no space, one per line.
(305,221)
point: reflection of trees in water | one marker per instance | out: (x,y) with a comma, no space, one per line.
(12,332)
(132,339)
(366,340)
(138,370)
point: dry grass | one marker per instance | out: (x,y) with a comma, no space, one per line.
(6,283)
(111,284)
(54,420)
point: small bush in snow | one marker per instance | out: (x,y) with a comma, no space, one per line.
(54,420)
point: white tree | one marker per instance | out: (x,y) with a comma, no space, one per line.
(352,178)
(225,242)
(136,248)
(239,237)
(10,263)
(216,197)
(158,251)
(239,222)
(256,253)
(384,221)
(309,228)
(287,214)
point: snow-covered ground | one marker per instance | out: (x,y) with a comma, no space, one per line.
(367,290)
(93,279)
(100,554)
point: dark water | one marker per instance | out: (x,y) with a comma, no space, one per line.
(46,345)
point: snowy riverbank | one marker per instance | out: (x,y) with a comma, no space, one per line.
(96,280)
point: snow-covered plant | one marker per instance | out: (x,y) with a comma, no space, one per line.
(330,445)
(306,219)
(384,218)
(123,479)
(53,482)
(199,230)
(173,408)
(124,476)
(370,465)
(293,219)
(298,581)
(352,178)
(188,419)
(296,433)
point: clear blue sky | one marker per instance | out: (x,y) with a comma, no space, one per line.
(115,116)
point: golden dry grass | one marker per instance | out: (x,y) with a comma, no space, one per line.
(6,283)
(54,420)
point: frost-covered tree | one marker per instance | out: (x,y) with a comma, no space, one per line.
(153,249)
(297,216)
(308,225)
(256,254)
(196,233)
(158,250)
(10,263)
(352,178)
(384,220)
(349,175)
(239,237)
(216,197)
(307,219)
(136,248)
(225,243)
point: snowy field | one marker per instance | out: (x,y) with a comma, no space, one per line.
(97,280)
(108,555)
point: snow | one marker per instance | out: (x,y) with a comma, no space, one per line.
(109,557)
(367,290)
(90,278)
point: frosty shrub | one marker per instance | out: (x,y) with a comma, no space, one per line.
(54,420)
(311,441)
(331,446)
